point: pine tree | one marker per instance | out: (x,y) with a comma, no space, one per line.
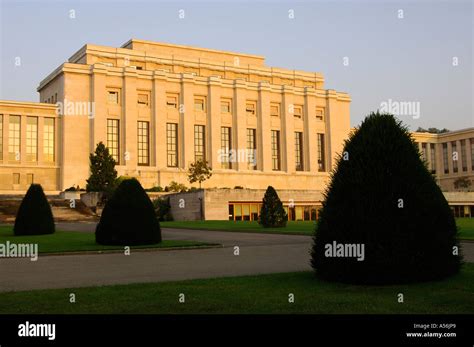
(128,217)
(272,213)
(34,217)
(383,197)
(102,168)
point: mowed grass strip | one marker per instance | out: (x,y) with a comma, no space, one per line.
(263,294)
(74,241)
(466,226)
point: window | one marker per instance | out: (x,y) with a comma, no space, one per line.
(433,158)
(455,156)
(445,158)
(424,153)
(14,126)
(299,151)
(172,101)
(16,178)
(226,106)
(275,150)
(298,111)
(200,104)
(29,178)
(226,146)
(251,108)
(275,110)
(199,142)
(142,99)
(1,137)
(472,154)
(113,97)
(321,153)
(113,139)
(251,149)
(320,114)
(143,143)
(463,155)
(172,144)
(48,140)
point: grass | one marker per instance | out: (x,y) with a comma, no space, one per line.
(466,226)
(252,294)
(293,228)
(73,241)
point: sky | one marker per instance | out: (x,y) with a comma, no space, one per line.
(380,52)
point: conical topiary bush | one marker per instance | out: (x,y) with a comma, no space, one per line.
(34,216)
(128,218)
(272,213)
(383,198)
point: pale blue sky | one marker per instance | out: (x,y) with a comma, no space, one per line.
(407,59)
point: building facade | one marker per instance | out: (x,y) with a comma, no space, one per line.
(159,107)
(450,156)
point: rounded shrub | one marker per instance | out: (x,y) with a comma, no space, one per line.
(384,219)
(128,218)
(34,216)
(272,213)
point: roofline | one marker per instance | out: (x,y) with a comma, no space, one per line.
(31,104)
(194,48)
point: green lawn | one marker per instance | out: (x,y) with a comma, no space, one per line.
(296,228)
(252,294)
(73,241)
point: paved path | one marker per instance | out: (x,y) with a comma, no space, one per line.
(259,254)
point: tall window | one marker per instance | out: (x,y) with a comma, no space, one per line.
(14,126)
(275,150)
(424,152)
(31,139)
(299,151)
(454,155)
(472,154)
(113,136)
(199,142)
(321,153)
(200,104)
(463,155)
(1,136)
(112,96)
(143,143)
(48,140)
(251,149)
(226,106)
(226,146)
(172,144)
(445,158)
(433,158)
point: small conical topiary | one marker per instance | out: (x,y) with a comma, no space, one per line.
(128,218)
(384,219)
(272,213)
(34,217)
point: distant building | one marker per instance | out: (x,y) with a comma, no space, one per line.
(159,107)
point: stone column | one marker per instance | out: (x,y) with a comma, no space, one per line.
(98,121)
(264,154)
(287,137)
(129,116)
(239,122)
(213,129)
(186,123)
(158,121)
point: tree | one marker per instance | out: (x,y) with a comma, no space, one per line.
(128,218)
(102,168)
(462,183)
(272,213)
(384,219)
(199,171)
(432,130)
(34,217)
(176,187)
